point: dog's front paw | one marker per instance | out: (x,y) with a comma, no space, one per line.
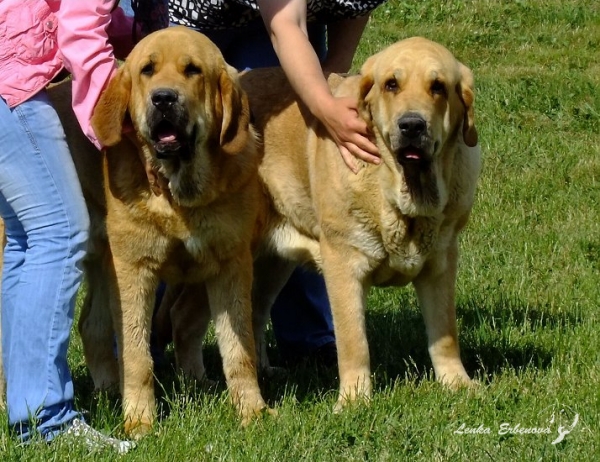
(250,415)
(358,390)
(456,379)
(105,375)
(137,429)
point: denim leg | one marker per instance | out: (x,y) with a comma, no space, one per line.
(47,225)
(301,315)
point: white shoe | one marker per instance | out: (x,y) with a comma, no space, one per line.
(94,440)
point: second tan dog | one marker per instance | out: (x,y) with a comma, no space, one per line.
(390,224)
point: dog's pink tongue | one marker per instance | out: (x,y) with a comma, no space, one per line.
(412,155)
(165,136)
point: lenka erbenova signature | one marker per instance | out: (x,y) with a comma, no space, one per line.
(507,428)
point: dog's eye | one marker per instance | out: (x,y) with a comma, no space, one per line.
(148,69)
(391,85)
(192,69)
(438,88)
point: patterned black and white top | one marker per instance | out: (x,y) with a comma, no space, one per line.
(228,14)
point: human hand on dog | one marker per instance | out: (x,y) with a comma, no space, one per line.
(349,131)
(286,23)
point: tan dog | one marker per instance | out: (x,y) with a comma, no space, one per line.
(190,122)
(390,224)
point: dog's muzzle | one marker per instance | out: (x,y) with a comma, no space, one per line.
(414,142)
(168,120)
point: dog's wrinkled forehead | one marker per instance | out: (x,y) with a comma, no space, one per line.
(417,57)
(180,49)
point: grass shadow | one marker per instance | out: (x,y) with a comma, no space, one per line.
(508,332)
(495,335)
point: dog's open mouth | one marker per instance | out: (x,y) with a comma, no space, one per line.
(411,155)
(166,138)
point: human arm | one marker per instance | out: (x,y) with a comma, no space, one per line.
(286,23)
(87,53)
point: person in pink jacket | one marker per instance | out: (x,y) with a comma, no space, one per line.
(42,204)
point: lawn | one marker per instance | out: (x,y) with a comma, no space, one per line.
(528,289)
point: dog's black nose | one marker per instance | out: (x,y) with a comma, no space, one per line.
(412,125)
(164,98)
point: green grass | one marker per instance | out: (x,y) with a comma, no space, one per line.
(528,288)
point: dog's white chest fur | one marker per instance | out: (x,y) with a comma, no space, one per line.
(404,246)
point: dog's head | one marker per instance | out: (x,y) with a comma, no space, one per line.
(185,104)
(419,99)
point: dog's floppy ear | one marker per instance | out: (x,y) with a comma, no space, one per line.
(467,96)
(109,113)
(365,88)
(233,112)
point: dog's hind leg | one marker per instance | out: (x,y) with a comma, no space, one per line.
(270,275)
(190,317)
(95,324)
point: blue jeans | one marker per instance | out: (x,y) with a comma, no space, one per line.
(301,315)
(47,225)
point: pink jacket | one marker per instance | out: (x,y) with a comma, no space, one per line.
(40,37)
